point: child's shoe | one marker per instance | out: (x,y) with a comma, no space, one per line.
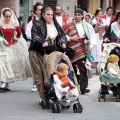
(64,99)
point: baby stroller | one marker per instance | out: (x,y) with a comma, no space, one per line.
(109,48)
(51,100)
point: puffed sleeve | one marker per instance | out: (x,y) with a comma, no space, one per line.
(19,32)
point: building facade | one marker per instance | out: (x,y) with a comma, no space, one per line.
(22,7)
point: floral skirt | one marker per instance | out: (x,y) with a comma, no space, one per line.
(14,63)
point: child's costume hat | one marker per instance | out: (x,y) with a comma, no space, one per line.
(113,58)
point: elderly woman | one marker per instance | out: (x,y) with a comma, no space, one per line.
(47,36)
(67,16)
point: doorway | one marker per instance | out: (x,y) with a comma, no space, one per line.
(83,4)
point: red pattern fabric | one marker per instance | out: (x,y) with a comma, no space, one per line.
(64,20)
(112,18)
(9,34)
(79,45)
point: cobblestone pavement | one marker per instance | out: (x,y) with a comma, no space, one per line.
(22,104)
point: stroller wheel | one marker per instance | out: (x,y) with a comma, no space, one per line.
(99,95)
(104,98)
(80,108)
(75,108)
(117,98)
(47,104)
(59,107)
(53,108)
(43,104)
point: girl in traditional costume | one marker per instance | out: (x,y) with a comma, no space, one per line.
(14,62)
(112,74)
(100,25)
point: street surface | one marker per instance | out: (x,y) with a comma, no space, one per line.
(22,104)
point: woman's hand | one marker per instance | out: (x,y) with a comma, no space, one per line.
(63,46)
(75,38)
(99,20)
(45,44)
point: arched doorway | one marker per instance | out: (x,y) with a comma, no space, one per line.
(116,5)
(83,4)
(51,3)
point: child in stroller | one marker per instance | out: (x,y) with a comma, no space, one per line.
(110,79)
(65,90)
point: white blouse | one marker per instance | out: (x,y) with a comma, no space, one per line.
(115,29)
(59,20)
(80,30)
(51,31)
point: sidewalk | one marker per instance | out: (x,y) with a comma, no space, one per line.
(93,85)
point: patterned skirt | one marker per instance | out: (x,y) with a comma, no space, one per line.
(106,77)
(14,62)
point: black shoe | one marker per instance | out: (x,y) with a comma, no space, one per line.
(85,91)
(41,103)
(7,89)
(2,90)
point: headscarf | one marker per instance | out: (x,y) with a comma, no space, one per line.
(89,15)
(13,17)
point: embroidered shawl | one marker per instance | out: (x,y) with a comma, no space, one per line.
(71,31)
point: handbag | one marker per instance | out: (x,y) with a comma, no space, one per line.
(89,74)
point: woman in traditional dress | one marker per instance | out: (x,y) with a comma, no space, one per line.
(47,36)
(113,32)
(100,25)
(14,62)
(88,17)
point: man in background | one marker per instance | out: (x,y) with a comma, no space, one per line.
(109,15)
(59,17)
(31,16)
(37,11)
